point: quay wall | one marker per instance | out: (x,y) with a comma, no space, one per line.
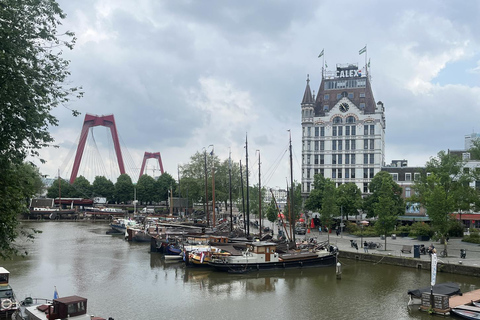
(411,263)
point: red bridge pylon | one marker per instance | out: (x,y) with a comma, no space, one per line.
(151,155)
(93,121)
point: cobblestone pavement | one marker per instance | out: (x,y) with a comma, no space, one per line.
(394,247)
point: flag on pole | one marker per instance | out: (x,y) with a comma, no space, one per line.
(55,293)
(326,66)
(368,65)
(363,50)
(321,53)
(434,269)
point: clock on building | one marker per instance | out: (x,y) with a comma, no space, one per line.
(344,107)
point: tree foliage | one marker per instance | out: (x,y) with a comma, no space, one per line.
(81,188)
(146,189)
(124,189)
(349,198)
(18,184)
(163,185)
(103,187)
(32,77)
(443,189)
(387,204)
(56,191)
(375,188)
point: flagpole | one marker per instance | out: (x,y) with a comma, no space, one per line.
(366,53)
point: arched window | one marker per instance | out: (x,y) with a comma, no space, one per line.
(351,119)
(337,120)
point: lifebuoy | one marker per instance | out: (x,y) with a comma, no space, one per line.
(6,304)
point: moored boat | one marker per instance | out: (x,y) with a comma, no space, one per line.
(467,314)
(264,256)
(121,225)
(8,301)
(447,288)
(71,307)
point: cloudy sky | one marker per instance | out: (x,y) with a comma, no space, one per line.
(182,75)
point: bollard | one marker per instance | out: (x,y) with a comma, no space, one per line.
(339,270)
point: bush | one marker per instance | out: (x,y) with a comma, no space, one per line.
(474,237)
(456,229)
(421,229)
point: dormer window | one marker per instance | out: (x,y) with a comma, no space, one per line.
(351,119)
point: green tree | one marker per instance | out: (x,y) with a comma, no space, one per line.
(329,208)
(124,189)
(375,186)
(386,207)
(19,183)
(163,185)
(65,189)
(33,74)
(314,201)
(102,187)
(81,188)
(442,189)
(146,189)
(349,198)
(272,211)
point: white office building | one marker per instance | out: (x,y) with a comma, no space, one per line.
(343,129)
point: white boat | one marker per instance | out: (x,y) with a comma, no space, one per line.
(8,301)
(121,225)
(72,307)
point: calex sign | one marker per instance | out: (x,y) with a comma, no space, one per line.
(348,73)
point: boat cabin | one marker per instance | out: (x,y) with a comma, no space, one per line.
(4,274)
(67,307)
(262,248)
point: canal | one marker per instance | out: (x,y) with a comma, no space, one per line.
(124,281)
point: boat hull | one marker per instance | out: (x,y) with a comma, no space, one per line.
(466,314)
(320,261)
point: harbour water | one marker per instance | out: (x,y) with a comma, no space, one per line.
(125,281)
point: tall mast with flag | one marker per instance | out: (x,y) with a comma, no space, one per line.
(362,51)
(322,54)
(55,293)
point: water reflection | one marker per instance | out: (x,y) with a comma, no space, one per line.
(80,258)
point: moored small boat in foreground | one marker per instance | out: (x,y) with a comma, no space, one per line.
(8,301)
(71,307)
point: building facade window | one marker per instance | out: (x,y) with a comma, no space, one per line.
(334,144)
(334,131)
(407,192)
(365,158)
(372,144)
(365,143)
(365,187)
(339,174)
(334,173)
(316,145)
(352,158)
(365,130)
(340,131)
(354,130)
(372,129)
(322,131)
(334,159)
(352,173)
(372,158)
(347,144)
(322,159)
(347,130)
(315,161)
(340,145)
(408,177)
(370,173)
(326,97)
(347,158)
(317,131)
(353,145)
(416,176)
(322,145)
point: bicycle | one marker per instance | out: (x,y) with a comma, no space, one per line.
(443,253)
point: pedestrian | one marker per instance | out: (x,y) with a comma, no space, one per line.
(320,230)
(338,231)
(365,246)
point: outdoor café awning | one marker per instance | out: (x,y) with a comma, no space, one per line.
(413,218)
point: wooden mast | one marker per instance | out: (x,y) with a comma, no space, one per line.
(259,196)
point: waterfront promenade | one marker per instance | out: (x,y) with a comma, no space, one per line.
(394,247)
